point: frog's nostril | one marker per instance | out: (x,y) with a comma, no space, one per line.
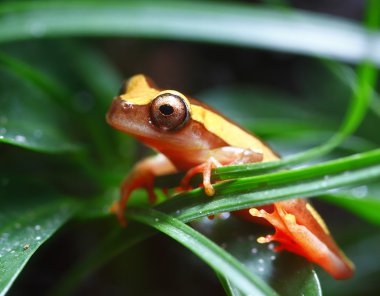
(125,105)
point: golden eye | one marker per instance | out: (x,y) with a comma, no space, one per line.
(169,112)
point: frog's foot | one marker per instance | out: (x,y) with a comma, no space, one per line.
(302,237)
(205,169)
(281,235)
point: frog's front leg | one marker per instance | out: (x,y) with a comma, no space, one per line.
(218,157)
(142,176)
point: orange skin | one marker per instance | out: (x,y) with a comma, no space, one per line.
(192,137)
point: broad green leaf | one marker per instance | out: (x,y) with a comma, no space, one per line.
(25,224)
(80,89)
(35,77)
(227,23)
(29,119)
(287,273)
(213,255)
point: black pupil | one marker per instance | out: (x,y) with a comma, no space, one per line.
(166,109)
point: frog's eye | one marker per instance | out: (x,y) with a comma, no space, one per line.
(169,112)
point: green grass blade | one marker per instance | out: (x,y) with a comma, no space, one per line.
(353,118)
(269,188)
(208,251)
(357,169)
(226,23)
(367,75)
(227,286)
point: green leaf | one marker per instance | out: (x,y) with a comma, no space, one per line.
(367,75)
(36,78)
(102,82)
(227,23)
(194,205)
(248,192)
(213,255)
(25,225)
(269,188)
(24,121)
(363,201)
(228,287)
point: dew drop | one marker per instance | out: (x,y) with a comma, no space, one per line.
(254,250)
(225,216)
(360,192)
(20,139)
(325,180)
(38,238)
(37,227)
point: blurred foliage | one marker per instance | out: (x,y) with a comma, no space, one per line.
(276,69)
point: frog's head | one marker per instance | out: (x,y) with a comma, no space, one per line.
(157,117)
